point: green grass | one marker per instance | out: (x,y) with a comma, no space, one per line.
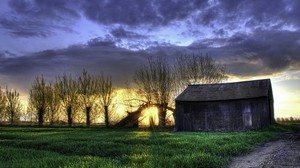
(99,147)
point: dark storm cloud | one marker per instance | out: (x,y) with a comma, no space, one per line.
(122,33)
(38,18)
(236,14)
(219,32)
(259,53)
(29,28)
(107,41)
(5,54)
(45,9)
(278,12)
(140,12)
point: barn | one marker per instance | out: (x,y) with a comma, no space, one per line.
(225,107)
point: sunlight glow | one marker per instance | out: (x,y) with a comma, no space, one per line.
(149,115)
(286,103)
(124,100)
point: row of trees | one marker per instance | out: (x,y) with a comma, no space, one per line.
(156,83)
(10,105)
(67,93)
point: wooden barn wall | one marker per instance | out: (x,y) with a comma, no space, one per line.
(222,115)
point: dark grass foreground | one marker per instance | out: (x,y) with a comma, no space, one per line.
(99,147)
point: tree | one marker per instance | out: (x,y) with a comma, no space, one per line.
(13,107)
(156,82)
(197,69)
(105,91)
(67,90)
(38,98)
(53,103)
(88,93)
(3,102)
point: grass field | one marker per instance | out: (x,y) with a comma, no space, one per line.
(99,147)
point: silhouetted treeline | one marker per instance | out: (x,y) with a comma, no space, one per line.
(292,120)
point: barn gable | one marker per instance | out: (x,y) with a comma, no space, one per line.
(225,106)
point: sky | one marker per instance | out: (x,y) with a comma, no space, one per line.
(254,39)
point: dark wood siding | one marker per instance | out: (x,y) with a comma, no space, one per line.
(223,115)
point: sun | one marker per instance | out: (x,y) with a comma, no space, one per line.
(149,115)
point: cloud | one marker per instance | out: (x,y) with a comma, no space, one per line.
(140,12)
(20,27)
(108,41)
(7,54)
(263,12)
(44,9)
(38,18)
(259,53)
(43,18)
(234,16)
(120,32)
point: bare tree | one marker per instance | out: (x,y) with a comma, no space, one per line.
(143,80)
(13,107)
(105,91)
(3,102)
(164,88)
(88,93)
(38,98)
(197,69)
(155,81)
(67,90)
(53,103)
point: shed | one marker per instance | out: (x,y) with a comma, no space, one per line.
(225,107)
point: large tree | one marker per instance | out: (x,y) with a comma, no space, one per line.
(88,93)
(38,98)
(13,107)
(106,92)
(155,81)
(67,90)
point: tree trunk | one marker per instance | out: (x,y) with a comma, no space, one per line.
(162,113)
(52,118)
(69,113)
(106,116)
(151,121)
(11,117)
(41,116)
(88,120)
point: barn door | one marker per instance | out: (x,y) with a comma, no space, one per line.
(247,117)
(187,119)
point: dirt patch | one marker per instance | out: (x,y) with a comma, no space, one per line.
(281,153)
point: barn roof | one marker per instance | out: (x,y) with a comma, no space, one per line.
(226,91)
